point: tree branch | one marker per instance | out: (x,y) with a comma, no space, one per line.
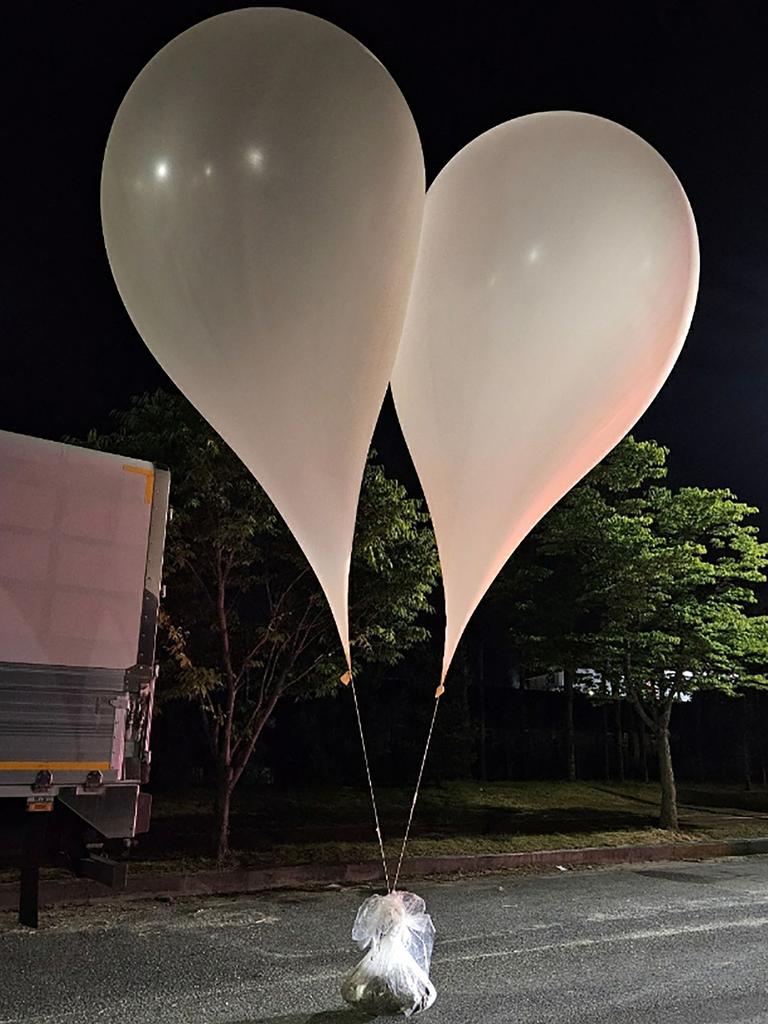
(243,755)
(645,717)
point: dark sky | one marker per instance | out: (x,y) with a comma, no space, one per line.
(691,78)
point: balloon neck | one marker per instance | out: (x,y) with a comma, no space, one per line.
(346,678)
(440,690)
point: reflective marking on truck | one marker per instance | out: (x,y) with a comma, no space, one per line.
(150,480)
(36,803)
(53,766)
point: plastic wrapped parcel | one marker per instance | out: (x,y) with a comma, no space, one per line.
(393,976)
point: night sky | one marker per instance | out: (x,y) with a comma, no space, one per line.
(691,78)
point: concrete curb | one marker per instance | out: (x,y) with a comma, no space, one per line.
(304,876)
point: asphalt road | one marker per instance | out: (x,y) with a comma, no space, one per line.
(664,944)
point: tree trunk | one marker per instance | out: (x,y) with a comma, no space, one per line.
(570,738)
(483,765)
(745,751)
(221,813)
(606,728)
(233,767)
(636,755)
(699,737)
(619,740)
(224,780)
(668,815)
(644,749)
(523,758)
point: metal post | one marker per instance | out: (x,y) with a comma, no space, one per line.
(32,853)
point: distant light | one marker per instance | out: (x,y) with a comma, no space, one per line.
(161,170)
(208,170)
(256,159)
(534,254)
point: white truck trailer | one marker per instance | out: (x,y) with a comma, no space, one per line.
(81,549)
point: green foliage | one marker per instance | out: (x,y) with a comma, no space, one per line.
(654,583)
(244,620)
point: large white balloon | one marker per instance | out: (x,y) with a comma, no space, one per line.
(555,284)
(262,197)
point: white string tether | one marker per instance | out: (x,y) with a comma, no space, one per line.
(370,780)
(349,678)
(416,793)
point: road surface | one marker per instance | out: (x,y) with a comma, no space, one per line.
(663,944)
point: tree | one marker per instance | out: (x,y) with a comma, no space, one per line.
(684,626)
(244,621)
(651,586)
(548,586)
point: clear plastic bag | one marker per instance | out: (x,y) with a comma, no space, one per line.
(393,976)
